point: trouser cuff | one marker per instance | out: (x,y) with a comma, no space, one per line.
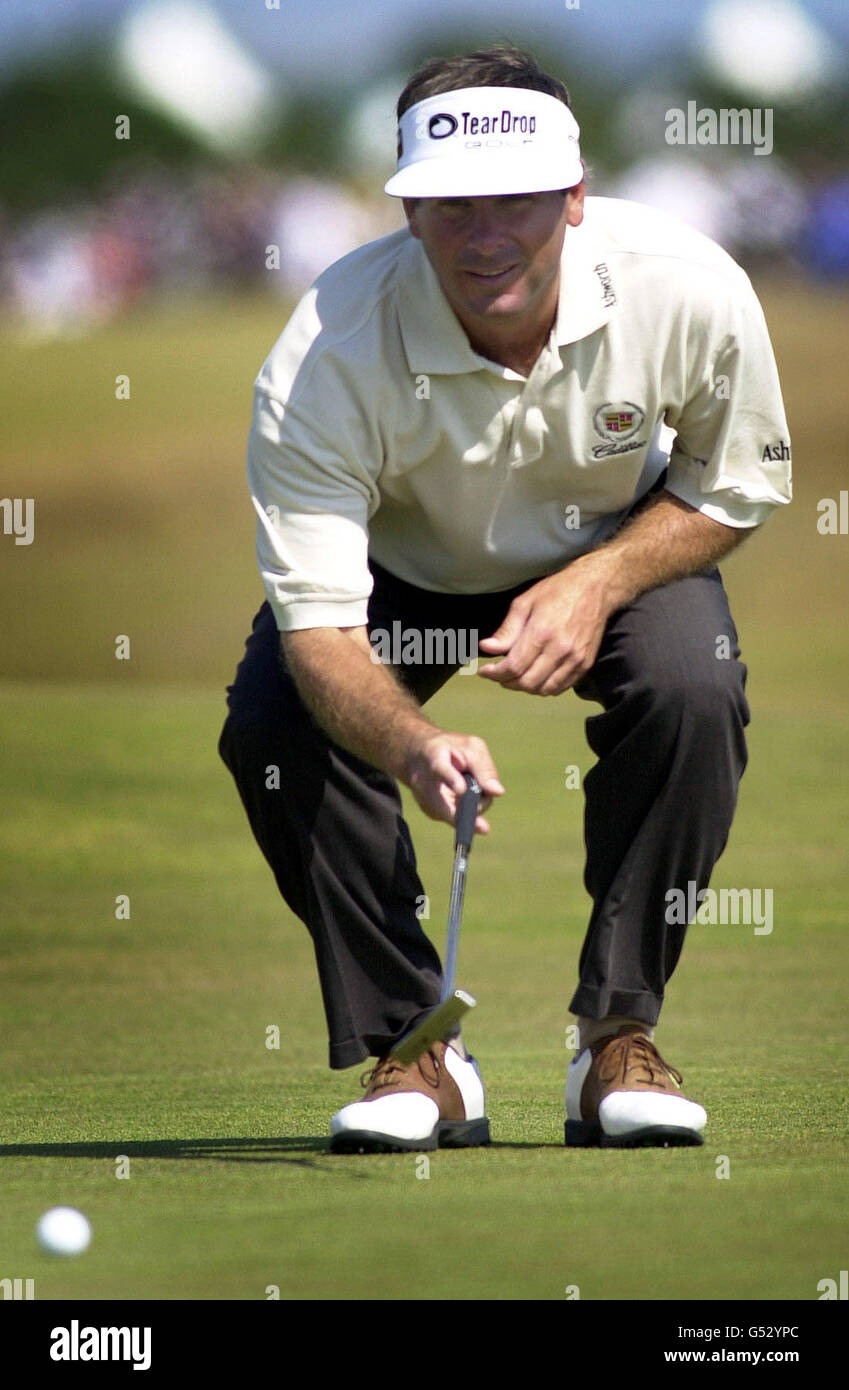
(594,1002)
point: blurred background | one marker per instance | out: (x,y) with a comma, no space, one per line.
(247,125)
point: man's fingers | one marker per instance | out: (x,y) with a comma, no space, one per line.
(546,677)
(447,769)
(502,639)
(530,670)
(473,756)
(531,643)
(443,806)
(556,637)
(542,663)
(437,777)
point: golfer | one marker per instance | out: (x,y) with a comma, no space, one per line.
(459,433)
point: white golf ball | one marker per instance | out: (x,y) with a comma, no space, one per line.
(63,1231)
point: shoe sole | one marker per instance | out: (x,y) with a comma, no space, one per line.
(447,1134)
(586,1134)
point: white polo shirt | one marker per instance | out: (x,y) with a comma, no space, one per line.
(377,429)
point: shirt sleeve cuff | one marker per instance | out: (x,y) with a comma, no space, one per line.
(726,505)
(318,612)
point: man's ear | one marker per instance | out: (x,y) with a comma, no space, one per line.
(575,199)
(410,207)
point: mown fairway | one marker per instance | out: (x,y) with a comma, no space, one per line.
(146,1038)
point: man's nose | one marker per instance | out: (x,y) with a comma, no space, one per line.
(487,231)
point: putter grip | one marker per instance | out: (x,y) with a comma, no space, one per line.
(467,812)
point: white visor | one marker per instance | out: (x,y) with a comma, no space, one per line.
(484,141)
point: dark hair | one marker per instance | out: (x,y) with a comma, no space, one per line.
(501,66)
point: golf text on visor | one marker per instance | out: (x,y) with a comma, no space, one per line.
(485,141)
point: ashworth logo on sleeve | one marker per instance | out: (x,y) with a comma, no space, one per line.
(617,422)
(608,293)
(776,453)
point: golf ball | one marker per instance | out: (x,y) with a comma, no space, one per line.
(63,1231)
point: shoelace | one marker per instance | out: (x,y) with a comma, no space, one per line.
(648,1057)
(379,1076)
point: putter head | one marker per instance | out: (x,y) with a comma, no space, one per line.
(436,1027)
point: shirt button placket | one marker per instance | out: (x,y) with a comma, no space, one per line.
(525,439)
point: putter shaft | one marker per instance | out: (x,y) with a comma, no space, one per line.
(453,1003)
(455,912)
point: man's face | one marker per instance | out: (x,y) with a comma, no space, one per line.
(497,259)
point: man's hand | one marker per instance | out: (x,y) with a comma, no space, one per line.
(362,706)
(551,634)
(434,774)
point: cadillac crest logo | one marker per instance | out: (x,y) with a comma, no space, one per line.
(618,420)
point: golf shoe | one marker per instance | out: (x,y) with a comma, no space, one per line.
(435,1102)
(620,1093)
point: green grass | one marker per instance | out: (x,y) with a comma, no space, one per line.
(146,1038)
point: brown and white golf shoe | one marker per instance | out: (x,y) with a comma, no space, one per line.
(436,1102)
(620,1093)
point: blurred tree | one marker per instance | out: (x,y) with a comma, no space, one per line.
(59,123)
(310,134)
(806,133)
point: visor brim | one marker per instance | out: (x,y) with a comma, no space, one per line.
(495,176)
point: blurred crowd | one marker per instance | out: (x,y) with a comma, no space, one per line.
(156,232)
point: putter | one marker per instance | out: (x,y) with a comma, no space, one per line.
(453,1003)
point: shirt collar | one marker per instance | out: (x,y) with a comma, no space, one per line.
(434,340)
(588,290)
